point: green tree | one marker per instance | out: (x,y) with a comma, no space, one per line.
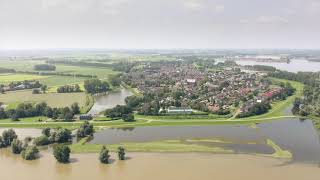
(41,141)
(128,117)
(30,153)
(16,146)
(75,108)
(104,155)
(44,88)
(2,145)
(121,153)
(62,135)
(8,136)
(46,132)
(62,153)
(86,129)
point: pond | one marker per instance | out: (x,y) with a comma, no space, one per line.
(110,100)
(299,137)
(295,65)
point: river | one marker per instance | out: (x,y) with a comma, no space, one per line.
(295,65)
(155,166)
(110,100)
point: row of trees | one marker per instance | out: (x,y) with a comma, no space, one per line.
(94,86)
(10,138)
(256,109)
(120,112)
(24,110)
(69,89)
(6,70)
(50,136)
(44,67)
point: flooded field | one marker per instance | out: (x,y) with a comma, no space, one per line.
(298,137)
(109,101)
(155,166)
(24,132)
(294,66)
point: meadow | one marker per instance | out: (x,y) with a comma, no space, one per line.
(7,78)
(52,99)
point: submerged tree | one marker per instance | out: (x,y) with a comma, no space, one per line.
(104,155)
(30,153)
(121,153)
(16,146)
(62,153)
(46,132)
(8,136)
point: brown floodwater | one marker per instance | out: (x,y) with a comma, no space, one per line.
(24,132)
(155,166)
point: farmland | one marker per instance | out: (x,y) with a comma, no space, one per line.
(7,78)
(52,99)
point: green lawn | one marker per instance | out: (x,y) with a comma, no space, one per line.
(52,99)
(155,146)
(57,81)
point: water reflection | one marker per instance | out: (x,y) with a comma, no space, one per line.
(109,101)
(299,137)
(294,66)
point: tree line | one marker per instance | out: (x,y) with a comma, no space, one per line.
(69,89)
(24,110)
(44,67)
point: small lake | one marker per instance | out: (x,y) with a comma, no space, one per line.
(110,100)
(295,65)
(299,137)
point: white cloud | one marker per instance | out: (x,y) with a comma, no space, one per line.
(271,19)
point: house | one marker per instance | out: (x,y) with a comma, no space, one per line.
(85,117)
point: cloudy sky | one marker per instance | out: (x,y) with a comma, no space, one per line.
(134,24)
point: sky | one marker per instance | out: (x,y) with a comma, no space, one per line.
(160,24)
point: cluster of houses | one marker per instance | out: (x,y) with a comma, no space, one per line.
(222,89)
(14,86)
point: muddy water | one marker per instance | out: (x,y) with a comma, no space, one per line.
(299,137)
(24,132)
(146,166)
(109,101)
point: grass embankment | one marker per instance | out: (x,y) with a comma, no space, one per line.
(52,99)
(279,107)
(279,153)
(88,104)
(156,146)
(190,145)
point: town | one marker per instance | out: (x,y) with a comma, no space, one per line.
(189,87)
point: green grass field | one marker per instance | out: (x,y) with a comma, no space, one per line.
(7,78)
(52,99)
